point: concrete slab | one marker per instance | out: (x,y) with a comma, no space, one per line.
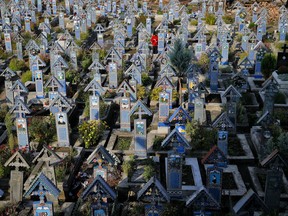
(241,188)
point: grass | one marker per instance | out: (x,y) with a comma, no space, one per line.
(123,143)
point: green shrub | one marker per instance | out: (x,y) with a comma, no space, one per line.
(210,19)
(17,65)
(159,12)
(228,19)
(252,25)
(154,96)
(27,76)
(268,64)
(146,80)
(194,22)
(91,131)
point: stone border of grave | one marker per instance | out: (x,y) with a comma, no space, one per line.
(113,138)
(255,134)
(275,105)
(241,188)
(252,84)
(193,162)
(255,180)
(283,84)
(245,147)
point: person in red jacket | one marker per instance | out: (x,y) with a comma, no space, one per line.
(154,42)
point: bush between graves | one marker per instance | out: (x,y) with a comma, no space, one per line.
(268,64)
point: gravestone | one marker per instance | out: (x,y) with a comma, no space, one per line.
(282,58)
(60,106)
(100,193)
(274,179)
(16,176)
(94,100)
(199,111)
(140,130)
(232,96)
(245,64)
(21,109)
(61,20)
(39,84)
(8,44)
(261,50)
(271,89)
(223,123)
(180,117)
(125,105)
(42,187)
(214,69)
(153,193)
(214,182)
(163,125)
(8,74)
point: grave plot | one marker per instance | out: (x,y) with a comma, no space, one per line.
(259,175)
(235,185)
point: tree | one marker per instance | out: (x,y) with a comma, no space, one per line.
(201,138)
(180,57)
(146,80)
(268,64)
(17,65)
(91,131)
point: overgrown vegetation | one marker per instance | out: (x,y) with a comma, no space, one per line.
(201,138)
(268,64)
(91,131)
(42,129)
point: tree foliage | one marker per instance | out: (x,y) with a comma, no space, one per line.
(268,64)
(91,131)
(17,65)
(73,76)
(180,57)
(201,138)
(146,80)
